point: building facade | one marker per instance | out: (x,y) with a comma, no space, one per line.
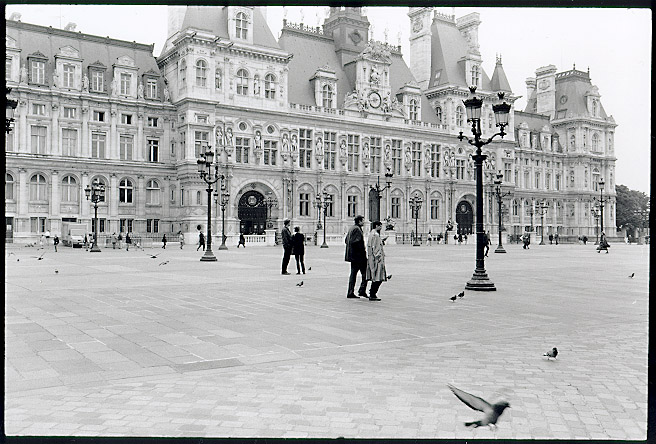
(318,110)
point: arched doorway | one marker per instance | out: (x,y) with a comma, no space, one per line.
(252,213)
(465,217)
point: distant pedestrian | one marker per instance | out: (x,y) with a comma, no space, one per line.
(460,239)
(298,248)
(465,237)
(120,240)
(128,241)
(286,245)
(201,241)
(47,234)
(551,238)
(242,240)
(181,239)
(603,243)
(114,241)
(164,242)
(55,241)
(430,238)
(556,238)
(526,239)
(376,272)
(487,242)
(585,239)
(356,254)
(86,242)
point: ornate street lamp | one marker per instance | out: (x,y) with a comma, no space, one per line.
(210,177)
(542,209)
(415,204)
(325,201)
(269,202)
(225,199)
(601,205)
(449,167)
(499,195)
(97,194)
(379,191)
(595,214)
(480,280)
(11,106)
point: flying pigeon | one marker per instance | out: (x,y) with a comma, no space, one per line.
(631,275)
(10,253)
(551,353)
(164,263)
(461,294)
(492,411)
(453,298)
(300,284)
(153,256)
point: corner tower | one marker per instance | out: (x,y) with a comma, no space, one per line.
(420,45)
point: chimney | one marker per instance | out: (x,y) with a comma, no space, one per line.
(70,27)
(530,87)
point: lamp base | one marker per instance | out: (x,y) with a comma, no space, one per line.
(208,256)
(223,247)
(95,248)
(480,282)
(500,249)
(324,245)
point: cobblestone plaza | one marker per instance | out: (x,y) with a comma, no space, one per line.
(115,344)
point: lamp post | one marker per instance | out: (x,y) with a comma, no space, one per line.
(449,166)
(500,196)
(415,203)
(97,194)
(542,209)
(269,202)
(325,201)
(225,198)
(595,213)
(209,177)
(11,106)
(379,190)
(317,203)
(480,280)
(531,212)
(601,205)
(643,216)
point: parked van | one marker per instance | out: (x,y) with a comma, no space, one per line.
(73,234)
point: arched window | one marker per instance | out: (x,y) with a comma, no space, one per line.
(70,189)
(101,181)
(270,86)
(9,187)
(559,210)
(241,26)
(199,198)
(438,113)
(594,108)
(201,73)
(183,73)
(595,142)
(152,192)
(515,206)
(327,96)
(242,82)
(460,119)
(218,79)
(125,189)
(475,75)
(414,110)
(527,208)
(38,187)
(572,142)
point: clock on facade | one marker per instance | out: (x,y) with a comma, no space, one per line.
(374,99)
(252,200)
(417,25)
(544,84)
(563,99)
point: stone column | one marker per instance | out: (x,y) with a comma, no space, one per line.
(140,197)
(139,143)
(165,198)
(55,194)
(85,152)
(84,203)
(112,196)
(23,192)
(54,131)
(113,134)
(23,130)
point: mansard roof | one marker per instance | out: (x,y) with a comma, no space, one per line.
(535,122)
(499,80)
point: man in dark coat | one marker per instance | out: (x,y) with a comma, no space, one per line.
(286,245)
(298,247)
(356,254)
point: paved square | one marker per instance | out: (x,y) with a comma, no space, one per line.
(116,344)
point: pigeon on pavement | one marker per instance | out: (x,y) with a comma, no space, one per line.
(309,268)
(551,353)
(164,263)
(453,298)
(153,256)
(631,275)
(56,271)
(492,411)
(39,258)
(389,276)
(461,294)
(300,284)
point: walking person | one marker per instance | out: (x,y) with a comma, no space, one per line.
(181,239)
(603,243)
(298,248)
(201,241)
(585,239)
(551,238)
(556,238)
(376,272)
(120,240)
(486,240)
(356,254)
(164,242)
(114,241)
(128,241)
(242,240)
(430,238)
(86,243)
(286,245)
(55,242)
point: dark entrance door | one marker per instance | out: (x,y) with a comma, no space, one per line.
(465,217)
(252,213)
(374,206)
(9,233)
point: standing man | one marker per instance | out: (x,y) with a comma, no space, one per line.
(114,241)
(181,238)
(298,247)
(164,241)
(487,242)
(286,245)
(556,238)
(56,242)
(357,256)
(201,240)
(375,261)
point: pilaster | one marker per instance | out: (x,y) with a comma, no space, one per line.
(55,195)
(54,130)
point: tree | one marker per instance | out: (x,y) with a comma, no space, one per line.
(628,202)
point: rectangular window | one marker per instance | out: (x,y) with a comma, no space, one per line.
(69,142)
(435,161)
(353,146)
(99,116)
(460,169)
(537,180)
(201,118)
(507,171)
(435,208)
(39,139)
(151,89)
(102,225)
(547,180)
(8,63)
(396,207)
(126,144)
(98,145)
(152,122)
(527,179)
(126,80)
(376,146)
(557,182)
(153,150)
(201,139)
(69,113)
(69,76)
(38,72)
(126,119)
(305,148)
(125,225)
(396,157)
(172,149)
(9,141)
(330,209)
(39,109)
(242,145)
(97,81)
(37,224)
(270,152)
(329,150)
(416,159)
(304,204)
(352,205)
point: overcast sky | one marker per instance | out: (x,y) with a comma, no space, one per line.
(614,43)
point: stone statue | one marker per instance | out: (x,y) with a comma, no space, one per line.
(374,77)
(294,143)
(386,105)
(427,156)
(365,151)
(408,158)
(140,91)
(55,79)
(167,94)
(342,149)
(319,145)
(218,134)
(258,139)
(23,74)
(113,87)
(85,83)
(285,143)
(388,153)
(229,136)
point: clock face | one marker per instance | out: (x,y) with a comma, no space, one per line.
(563,99)
(544,84)
(252,200)
(374,99)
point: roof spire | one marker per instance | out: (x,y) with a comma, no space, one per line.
(574,66)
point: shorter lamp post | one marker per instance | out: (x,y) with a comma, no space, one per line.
(97,194)
(326,201)
(210,177)
(530,212)
(595,213)
(500,196)
(643,215)
(379,191)
(11,106)
(601,205)
(317,203)
(415,204)
(542,209)
(269,202)
(225,198)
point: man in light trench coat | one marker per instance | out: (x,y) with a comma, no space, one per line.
(375,261)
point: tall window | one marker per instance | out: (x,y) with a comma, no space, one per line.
(97,81)
(547,181)
(376,146)
(414,110)
(69,142)
(125,191)
(527,179)
(125,147)
(38,188)
(396,207)
(327,96)
(595,142)
(152,192)
(435,209)
(329,150)
(594,108)
(69,113)
(242,145)
(69,76)
(153,150)
(151,89)
(98,145)
(353,147)
(199,198)
(201,139)
(9,187)
(557,182)
(396,156)
(537,180)
(201,73)
(242,82)
(37,224)
(304,204)
(460,116)
(8,63)
(270,152)
(241,25)
(330,208)
(39,109)
(172,189)
(572,142)
(438,114)
(39,139)
(126,119)
(218,78)
(595,179)
(69,191)
(125,225)
(305,148)
(352,205)
(99,116)
(460,169)
(126,81)
(475,75)
(38,72)
(416,159)
(515,207)
(435,161)
(270,86)
(183,73)
(507,171)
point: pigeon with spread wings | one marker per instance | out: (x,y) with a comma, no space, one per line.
(492,411)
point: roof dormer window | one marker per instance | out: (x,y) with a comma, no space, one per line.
(242,82)
(475,75)
(241,26)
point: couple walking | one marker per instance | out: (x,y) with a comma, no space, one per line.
(370,263)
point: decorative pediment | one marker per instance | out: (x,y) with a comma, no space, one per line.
(97,65)
(10,42)
(376,51)
(37,55)
(68,51)
(151,73)
(126,61)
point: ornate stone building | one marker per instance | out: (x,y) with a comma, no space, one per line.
(321,109)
